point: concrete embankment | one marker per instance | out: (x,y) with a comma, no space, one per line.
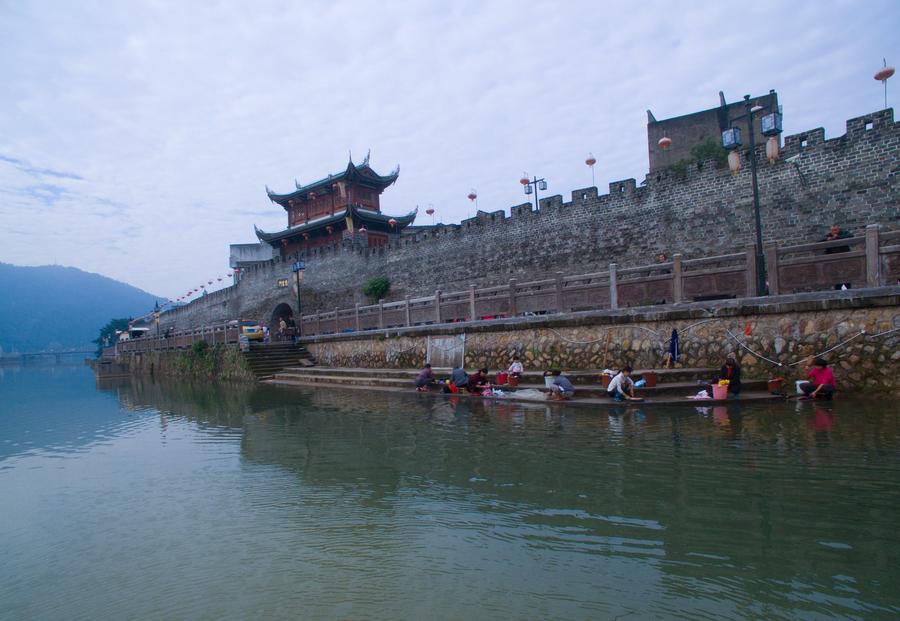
(857,331)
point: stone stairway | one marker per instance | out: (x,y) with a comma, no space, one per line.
(672,384)
(267,359)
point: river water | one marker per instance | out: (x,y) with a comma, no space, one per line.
(144,500)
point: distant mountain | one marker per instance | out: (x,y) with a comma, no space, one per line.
(58,308)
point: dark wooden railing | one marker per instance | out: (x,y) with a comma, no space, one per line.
(871,260)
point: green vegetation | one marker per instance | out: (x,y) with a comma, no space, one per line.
(377,288)
(709,149)
(109,331)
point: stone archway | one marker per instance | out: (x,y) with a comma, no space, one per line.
(282,311)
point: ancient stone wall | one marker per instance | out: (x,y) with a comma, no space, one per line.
(853,180)
(786,330)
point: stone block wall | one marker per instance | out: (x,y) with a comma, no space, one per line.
(853,180)
(786,330)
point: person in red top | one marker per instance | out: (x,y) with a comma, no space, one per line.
(820,380)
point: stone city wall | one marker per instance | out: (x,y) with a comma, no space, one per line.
(851,180)
(786,330)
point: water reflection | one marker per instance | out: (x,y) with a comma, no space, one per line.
(405,505)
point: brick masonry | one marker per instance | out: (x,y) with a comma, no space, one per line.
(786,330)
(853,180)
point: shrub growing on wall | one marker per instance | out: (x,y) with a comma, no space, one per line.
(377,288)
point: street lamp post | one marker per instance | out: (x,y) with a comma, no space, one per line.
(297,268)
(731,139)
(533,185)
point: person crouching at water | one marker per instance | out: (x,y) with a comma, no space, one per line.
(478,382)
(424,379)
(821,381)
(562,387)
(621,387)
(732,372)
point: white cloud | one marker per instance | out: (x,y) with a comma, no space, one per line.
(170,118)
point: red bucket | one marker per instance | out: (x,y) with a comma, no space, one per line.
(513,380)
(502,378)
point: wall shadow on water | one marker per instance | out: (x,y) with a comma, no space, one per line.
(787,504)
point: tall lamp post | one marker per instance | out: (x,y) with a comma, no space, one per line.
(533,185)
(731,140)
(297,267)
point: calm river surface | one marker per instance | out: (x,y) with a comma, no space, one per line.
(143,500)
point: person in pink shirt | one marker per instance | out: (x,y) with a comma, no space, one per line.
(820,381)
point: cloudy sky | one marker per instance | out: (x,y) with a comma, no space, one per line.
(137,138)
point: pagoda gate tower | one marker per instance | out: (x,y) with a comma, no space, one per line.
(345,206)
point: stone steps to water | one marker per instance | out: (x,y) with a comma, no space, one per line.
(510,396)
(674,386)
(267,359)
(318,375)
(585,377)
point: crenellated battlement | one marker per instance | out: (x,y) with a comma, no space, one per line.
(697,210)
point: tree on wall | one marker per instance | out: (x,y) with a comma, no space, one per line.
(108,333)
(377,288)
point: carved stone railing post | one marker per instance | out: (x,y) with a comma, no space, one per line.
(613,287)
(318,323)
(770,250)
(437,306)
(560,308)
(356,315)
(512,298)
(472,314)
(337,327)
(406,312)
(750,270)
(873,261)
(677,282)
(381,313)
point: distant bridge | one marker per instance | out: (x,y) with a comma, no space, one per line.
(57,356)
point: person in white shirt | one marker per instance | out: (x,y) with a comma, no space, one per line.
(621,388)
(516,369)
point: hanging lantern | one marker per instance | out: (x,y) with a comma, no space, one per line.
(472,195)
(524,179)
(772,149)
(392,222)
(664,143)
(330,229)
(306,236)
(884,73)
(591,160)
(312,196)
(430,212)
(734,162)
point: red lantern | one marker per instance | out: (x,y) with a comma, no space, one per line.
(664,143)
(472,195)
(883,74)
(430,212)
(591,160)
(734,162)
(524,179)
(392,222)
(772,150)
